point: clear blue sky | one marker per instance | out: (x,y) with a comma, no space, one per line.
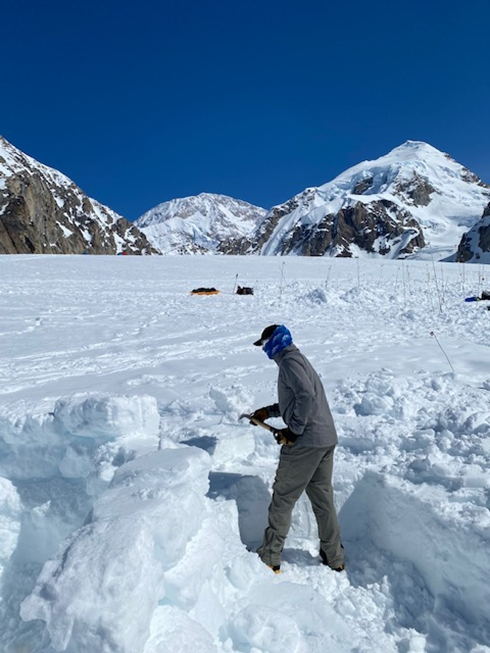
(142,102)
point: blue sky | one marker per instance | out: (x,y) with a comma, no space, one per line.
(143,102)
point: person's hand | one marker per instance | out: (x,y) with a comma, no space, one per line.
(261,414)
(285,436)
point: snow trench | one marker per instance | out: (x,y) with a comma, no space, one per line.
(52,468)
(113,539)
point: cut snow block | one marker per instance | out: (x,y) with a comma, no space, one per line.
(10,521)
(238,443)
(446,541)
(102,588)
(108,417)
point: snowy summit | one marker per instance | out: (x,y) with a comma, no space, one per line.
(198,224)
(415,200)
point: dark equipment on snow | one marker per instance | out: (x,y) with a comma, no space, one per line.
(484,297)
(205,291)
(244,290)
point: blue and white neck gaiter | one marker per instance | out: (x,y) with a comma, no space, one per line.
(278,341)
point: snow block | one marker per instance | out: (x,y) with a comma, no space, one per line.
(103,417)
(107,580)
(445,541)
(67,442)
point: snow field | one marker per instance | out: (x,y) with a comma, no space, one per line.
(131,493)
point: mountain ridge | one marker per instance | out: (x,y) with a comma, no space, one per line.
(42,211)
(393,205)
(414,201)
(475,244)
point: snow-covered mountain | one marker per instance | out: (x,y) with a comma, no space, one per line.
(43,212)
(413,200)
(475,244)
(199,224)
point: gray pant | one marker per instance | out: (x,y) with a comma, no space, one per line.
(310,469)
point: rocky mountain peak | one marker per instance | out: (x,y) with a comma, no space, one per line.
(200,223)
(43,212)
(394,206)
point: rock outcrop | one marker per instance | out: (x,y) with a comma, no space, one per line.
(381,228)
(475,244)
(44,212)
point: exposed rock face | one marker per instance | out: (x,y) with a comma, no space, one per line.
(416,191)
(378,228)
(475,244)
(310,229)
(43,212)
(266,227)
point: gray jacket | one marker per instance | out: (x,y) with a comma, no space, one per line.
(302,402)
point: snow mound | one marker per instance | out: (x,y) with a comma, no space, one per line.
(138,528)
